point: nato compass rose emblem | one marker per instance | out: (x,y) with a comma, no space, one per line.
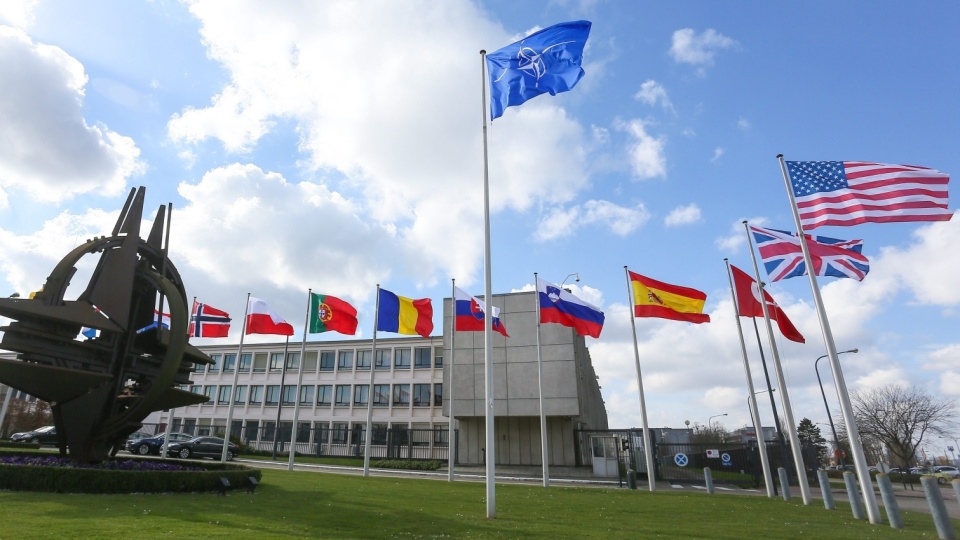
(553,293)
(531,63)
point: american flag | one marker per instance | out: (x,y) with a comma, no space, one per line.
(850,192)
(783,257)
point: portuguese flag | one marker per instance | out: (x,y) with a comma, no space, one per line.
(331,313)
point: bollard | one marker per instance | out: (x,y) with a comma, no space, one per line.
(956,488)
(825,490)
(853,493)
(937,508)
(631,479)
(890,501)
(708,477)
(784,483)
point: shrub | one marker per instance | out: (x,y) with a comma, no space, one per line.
(409,464)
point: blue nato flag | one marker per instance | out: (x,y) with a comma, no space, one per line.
(547,61)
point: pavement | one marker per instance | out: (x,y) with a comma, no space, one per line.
(909,498)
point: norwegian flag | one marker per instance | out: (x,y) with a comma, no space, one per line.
(208,322)
(783,257)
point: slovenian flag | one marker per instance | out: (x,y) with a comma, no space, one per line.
(561,307)
(263,320)
(470,314)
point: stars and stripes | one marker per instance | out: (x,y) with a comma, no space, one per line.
(851,192)
(783,257)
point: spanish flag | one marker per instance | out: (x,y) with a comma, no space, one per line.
(404,315)
(652,298)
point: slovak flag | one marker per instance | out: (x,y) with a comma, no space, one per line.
(562,307)
(470,314)
(207,321)
(263,320)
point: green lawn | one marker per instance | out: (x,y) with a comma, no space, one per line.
(308,504)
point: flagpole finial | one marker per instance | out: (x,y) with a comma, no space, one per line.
(725,259)
(779,156)
(744,222)
(483,51)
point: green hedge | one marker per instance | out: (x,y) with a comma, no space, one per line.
(77,480)
(409,464)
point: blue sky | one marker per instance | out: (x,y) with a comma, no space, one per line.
(337,145)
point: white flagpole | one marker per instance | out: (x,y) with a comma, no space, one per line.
(754,412)
(296,407)
(451,450)
(373,368)
(544,450)
(781,382)
(236,377)
(647,446)
(846,407)
(283,379)
(491,454)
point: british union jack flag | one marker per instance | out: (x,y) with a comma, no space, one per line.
(783,258)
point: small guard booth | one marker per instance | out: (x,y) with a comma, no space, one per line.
(606,456)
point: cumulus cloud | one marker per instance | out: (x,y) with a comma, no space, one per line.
(928,267)
(698,50)
(717,154)
(50,151)
(736,235)
(653,93)
(19,13)
(620,220)
(646,152)
(683,215)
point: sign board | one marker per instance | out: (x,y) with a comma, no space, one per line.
(681,459)
(725,458)
(713,454)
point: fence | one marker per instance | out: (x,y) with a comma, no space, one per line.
(387,443)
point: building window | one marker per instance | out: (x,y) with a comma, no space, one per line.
(438,394)
(345,361)
(383,358)
(289,394)
(438,357)
(401,395)
(381,395)
(421,395)
(240,396)
(306,396)
(215,366)
(224,395)
(246,362)
(343,395)
(363,360)
(361,393)
(422,357)
(260,362)
(293,364)
(310,362)
(256,395)
(441,434)
(325,394)
(229,363)
(196,389)
(210,392)
(276,361)
(273,394)
(303,431)
(326,361)
(401,358)
(340,432)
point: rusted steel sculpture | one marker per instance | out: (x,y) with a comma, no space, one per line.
(101,389)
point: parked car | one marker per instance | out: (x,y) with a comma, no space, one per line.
(949,469)
(137,435)
(152,445)
(202,447)
(43,435)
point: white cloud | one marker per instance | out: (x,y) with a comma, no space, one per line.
(736,236)
(683,215)
(928,267)
(19,13)
(717,154)
(698,50)
(619,219)
(50,152)
(653,93)
(647,158)
(743,124)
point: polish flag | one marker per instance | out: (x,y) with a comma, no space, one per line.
(263,320)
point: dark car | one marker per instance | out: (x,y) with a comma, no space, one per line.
(202,447)
(44,435)
(152,445)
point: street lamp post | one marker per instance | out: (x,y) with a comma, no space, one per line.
(709,425)
(574,275)
(836,440)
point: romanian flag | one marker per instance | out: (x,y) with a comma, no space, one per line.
(652,298)
(404,315)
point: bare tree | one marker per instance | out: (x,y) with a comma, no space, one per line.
(900,417)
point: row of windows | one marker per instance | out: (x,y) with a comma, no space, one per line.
(336,432)
(340,395)
(345,360)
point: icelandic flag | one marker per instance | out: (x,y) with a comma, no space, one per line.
(470,314)
(545,61)
(562,307)
(783,257)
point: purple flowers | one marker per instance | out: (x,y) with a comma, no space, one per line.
(115,464)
